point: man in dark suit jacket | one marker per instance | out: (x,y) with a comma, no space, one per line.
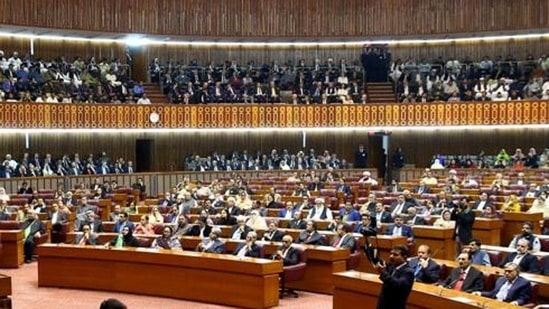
(527,262)
(286,253)
(511,288)
(482,202)
(397,278)
(425,269)
(240,229)
(422,188)
(273,233)
(413,218)
(33,229)
(465,277)
(344,238)
(310,236)
(399,229)
(248,248)
(200,229)
(465,218)
(381,215)
(297,222)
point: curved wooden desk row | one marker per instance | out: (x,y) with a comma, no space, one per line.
(212,278)
(541,280)
(352,288)
(322,261)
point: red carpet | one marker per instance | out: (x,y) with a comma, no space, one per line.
(27,295)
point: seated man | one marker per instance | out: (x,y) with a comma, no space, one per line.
(367,226)
(413,218)
(511,288)
(123,221)
(33,228)
(399,229)
(527,262)
(240,229)
(479,257)
(297,222)
(344,238)
(212,244)
(310,236)
(465,277)
(248,248)
(425,269)
(286,253)
(349,213)
(534,243)
(273,233)
(4,215)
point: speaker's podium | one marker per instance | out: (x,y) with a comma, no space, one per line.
(488,231)
(512,224)
(383,244)
(439,239)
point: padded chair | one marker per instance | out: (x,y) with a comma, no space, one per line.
(293,273)
(354,259)
(495,257)
(534,300)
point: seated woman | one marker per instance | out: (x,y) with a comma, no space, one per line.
(144,227)
(87,237)
(444,220)
(155,216)
(489,212)
(512,204)
(167,240)
(124,239)
(256,222)
(225,218)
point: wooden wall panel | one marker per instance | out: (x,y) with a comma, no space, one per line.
(219,116)
(418,145)
(282,18)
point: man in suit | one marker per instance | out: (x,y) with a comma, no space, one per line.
(123,220)
(482,202)
(344,238)
(310,236)
(297,222)
(399,206)
(288,212)
(343,187)
(413,218)
(527,262)
(511,288)
(366,226)
(273,233)
(425,269)
(240,229)
(422,188)
(33,228)
(199,228)
(400,229)
(286,253)
(465,218)
(212,244)
(95,224)
(397,278)
(4,215)
(465,277)
(479,257)
(248,248)
(382,215)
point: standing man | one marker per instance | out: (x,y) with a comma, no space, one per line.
(465,218)
(33,229)
(397,278)
(361,157)
(397,164)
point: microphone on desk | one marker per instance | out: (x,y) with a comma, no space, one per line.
(449,285)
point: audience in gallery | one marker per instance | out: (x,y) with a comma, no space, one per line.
(46,165)
(487,80)
(62,81)
(501,160)
(231,82)
(273,160)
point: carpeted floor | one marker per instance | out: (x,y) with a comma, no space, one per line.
(27,295)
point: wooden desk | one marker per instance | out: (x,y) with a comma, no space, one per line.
(488,230)
(512,224)
(352,288)
(12,248)
(5,291)
(542,281)
(212,278)
(438,238)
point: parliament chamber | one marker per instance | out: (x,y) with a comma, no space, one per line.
(159,83)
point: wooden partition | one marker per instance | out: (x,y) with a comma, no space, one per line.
(184,275)
(12,248)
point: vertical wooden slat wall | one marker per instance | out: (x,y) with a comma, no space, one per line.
(281,18)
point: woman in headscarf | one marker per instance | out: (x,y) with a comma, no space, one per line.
(256,222)
(125,239)
(167,240)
